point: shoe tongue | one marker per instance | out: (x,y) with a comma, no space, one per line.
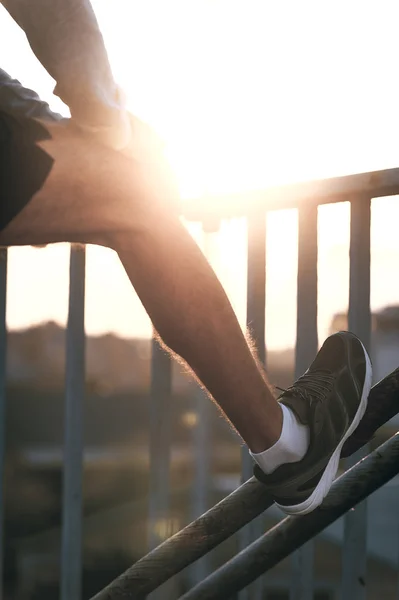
(297,404)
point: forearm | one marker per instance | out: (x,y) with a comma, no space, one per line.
(65,36)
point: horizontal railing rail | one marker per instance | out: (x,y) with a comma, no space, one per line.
(374,184)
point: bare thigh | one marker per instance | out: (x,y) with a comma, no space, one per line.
(90,194)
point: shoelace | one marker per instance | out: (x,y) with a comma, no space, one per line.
(312,387)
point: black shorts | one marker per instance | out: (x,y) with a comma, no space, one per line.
(24,166)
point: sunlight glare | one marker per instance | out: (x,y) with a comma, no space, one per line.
(246,95)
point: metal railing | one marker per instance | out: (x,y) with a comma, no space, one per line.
(259,551)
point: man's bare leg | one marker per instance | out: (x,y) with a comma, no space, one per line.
(94,195)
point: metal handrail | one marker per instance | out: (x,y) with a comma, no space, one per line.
(225,518)
(352,487)
(373,184)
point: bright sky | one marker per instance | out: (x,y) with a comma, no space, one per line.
(246,94)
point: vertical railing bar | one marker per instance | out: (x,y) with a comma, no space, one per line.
(359,313)
(200,497)
(161,384)
(256,308)
(201,440)
(160,447)
(354,553)
(3,357)
(71,547)
(302,582)
(256,284)
(397,563)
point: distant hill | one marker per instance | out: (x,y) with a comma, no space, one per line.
(386,320)
(36,359)
(114,365)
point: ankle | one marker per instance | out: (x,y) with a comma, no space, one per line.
(267,434)
(291,446)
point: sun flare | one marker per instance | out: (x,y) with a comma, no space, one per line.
(246,94)
(245,97)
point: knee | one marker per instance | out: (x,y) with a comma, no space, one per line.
(112,195)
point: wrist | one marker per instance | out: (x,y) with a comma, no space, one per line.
(114,130)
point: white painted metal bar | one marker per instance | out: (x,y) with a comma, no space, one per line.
(375,184)
(202,436)
(256,304)
(302,573)
(71,550)
(354,554)
(302,576)
(3,355)
(202,477)
(160,448)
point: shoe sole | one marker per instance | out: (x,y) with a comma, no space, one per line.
(325,483)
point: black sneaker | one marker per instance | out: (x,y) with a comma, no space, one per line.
(382,405)
(331,398)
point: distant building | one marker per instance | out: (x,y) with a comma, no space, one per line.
(384,350)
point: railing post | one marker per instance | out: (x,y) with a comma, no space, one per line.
(302,582)
(3,354)
(354,554)
(71,551)
(160,426)
(202,432)
(256,306)
(201,488)
(359,315)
